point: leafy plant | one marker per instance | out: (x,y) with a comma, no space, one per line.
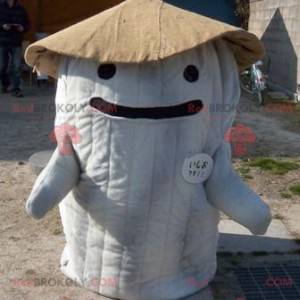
(286,195)
(243,171)
(295,189)
(274,166)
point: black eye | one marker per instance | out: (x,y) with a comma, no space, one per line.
(107,71)
(191,73)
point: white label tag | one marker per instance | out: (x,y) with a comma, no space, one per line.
(197,168)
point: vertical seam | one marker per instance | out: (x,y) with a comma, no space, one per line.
(204,53)
(106,200)
(172,196)
(146,230)
(92,118)
(127,205)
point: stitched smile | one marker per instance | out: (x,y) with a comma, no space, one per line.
(163,112)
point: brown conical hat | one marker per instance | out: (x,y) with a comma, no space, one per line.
(138,31)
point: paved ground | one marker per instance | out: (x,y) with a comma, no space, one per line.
(235,238)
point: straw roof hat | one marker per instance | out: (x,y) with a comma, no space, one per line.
(137,31)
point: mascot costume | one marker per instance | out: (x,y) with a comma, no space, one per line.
(142,170)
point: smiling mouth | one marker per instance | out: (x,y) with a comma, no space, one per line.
(155,113)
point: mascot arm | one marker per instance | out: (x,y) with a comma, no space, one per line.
(57,179)
(227,192)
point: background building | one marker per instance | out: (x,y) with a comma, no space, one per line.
(277,23)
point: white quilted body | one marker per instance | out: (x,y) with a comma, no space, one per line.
(135,228)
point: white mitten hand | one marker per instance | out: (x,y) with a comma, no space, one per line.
(227,192)
(57,179)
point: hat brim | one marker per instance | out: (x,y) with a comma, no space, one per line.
(137,31)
